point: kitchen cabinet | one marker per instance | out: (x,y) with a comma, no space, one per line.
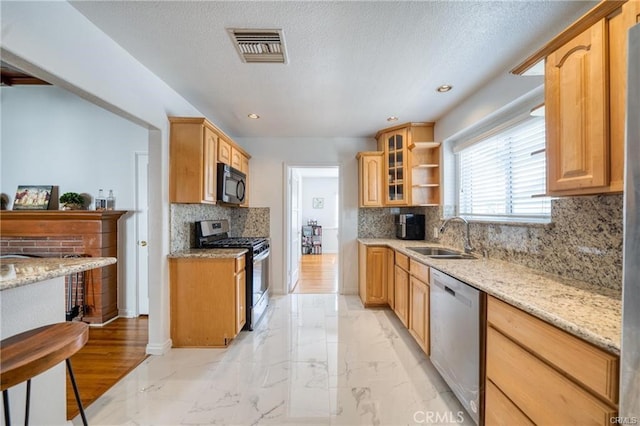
(395,167)
(401,289)
(419,304)
(585,87)
(370,172)
(208,300)
(241,293)
(391,259)
(229,153)
(192,161)
(537,372)
(404,171)
(576,99)
(425,173)
(372,275)
(224,151)
(195,148)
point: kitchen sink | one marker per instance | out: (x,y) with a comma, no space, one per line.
(441,253)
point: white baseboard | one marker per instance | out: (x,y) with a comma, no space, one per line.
(127,313)
(159,349)
(102,324)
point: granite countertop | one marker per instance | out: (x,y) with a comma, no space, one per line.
(590,312)
(219,253)
(17,272)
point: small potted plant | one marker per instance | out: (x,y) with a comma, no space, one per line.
(72,201)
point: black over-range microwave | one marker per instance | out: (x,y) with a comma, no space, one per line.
(231,184)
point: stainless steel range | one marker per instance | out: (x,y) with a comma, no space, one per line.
(215,234)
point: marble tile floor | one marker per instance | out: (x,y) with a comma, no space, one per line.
(314,360)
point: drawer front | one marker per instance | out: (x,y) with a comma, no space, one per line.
(419,271)
(543,394)
(240,263)
(592,367)
(402,261)
(500,411)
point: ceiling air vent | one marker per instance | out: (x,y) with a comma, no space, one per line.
(265,46)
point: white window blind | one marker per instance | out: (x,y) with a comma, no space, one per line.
(500,175)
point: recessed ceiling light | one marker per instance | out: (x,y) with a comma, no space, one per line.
(253,116)
(392,118)
(444,88)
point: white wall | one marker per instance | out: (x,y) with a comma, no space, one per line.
(55,42)
(327,217)
(79,147)
(495,95)
(267,190)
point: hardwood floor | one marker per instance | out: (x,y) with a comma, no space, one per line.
(111,352)
(318,274)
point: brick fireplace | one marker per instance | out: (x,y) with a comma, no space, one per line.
(52,233)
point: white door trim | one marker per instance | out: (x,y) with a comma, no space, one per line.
(286,237)
(142,276)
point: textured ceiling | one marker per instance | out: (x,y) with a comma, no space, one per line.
(351,64)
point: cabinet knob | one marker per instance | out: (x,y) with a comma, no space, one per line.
(143,243)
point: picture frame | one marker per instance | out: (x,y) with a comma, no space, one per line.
(318,203)
(32,197)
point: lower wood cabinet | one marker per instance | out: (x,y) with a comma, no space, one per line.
(419,304)
(208,303)
(372,274)
(540,373)
(401,293)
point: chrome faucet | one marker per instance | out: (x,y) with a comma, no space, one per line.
(467,242)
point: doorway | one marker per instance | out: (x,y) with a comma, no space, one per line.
(313,225)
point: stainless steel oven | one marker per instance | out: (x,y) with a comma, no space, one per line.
(260,294)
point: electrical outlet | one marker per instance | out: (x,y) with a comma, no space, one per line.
(436,232)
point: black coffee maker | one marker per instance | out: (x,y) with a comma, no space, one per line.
(410,226)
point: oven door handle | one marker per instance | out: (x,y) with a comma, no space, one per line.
(262,256)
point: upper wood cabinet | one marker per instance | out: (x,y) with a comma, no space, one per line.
(585,90)
(409,174)
(224,151)
(370,169)
(576,99)
(192,161)
(395,167)
(195,148)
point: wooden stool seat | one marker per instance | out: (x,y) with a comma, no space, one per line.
(32,352)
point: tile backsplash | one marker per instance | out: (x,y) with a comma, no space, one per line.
(243,222)
(583,240)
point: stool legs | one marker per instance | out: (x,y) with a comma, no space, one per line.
(26,410)
(75,391)
(5,402)
(5,399)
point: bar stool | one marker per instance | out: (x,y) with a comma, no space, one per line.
(28,354)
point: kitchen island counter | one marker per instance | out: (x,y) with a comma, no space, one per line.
(32,294)
(585,310)
(17,272)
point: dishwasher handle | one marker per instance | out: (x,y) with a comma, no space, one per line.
(450,291)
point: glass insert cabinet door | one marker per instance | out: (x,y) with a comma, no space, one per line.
(396,149)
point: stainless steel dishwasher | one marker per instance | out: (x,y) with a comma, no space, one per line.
(455,326)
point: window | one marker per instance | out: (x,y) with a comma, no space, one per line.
(502,176)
